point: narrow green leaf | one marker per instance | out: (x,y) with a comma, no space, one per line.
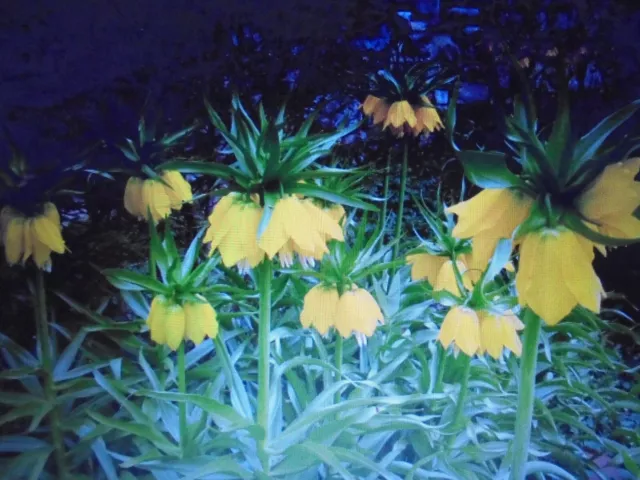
(488,169)
(136,278)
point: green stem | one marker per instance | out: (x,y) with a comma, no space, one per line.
(526,392)
(442,362)
(42,331)
(403,187)
(385,194)
(264,329)
(338,361)
(462,396)
(182,407)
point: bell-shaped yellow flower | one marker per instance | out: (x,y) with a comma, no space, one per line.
(299,226)
(233,230)
(36,237)
(555,274)
(155,196)
(461,326)
(376,107)
(489,216)
(428,119)
(357,312)
(170,323)
(500,331)
(319,308)
(400,113)
(609,202)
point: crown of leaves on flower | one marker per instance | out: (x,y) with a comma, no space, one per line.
(182,277)
(555,165)
(27,189)
(271,162)
(407,83)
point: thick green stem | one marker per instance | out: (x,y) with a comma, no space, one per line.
(182,407)
(338,361)
(264,329)
(385,194)
(403,187)
(462,397)
(526,392)
(42,331)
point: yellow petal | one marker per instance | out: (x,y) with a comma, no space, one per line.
(425,266)
(357,312)
(319,308)
(159,201)
(174,324)
(133,197)
(446,279)
(156,319)
(200,321)
(370,104)
(51,212)
(27,240)
(49,234)
(461,326)
(240,230)
(178,189)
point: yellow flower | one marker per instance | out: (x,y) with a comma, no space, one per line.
(489,216)
(461,326)
(609,202)
(556,275)
(498,331)
(36,237)
(428,119)
(233,229)
(178,189)
(403,117)
(155,196)
(319,308)
(357,312)
(299,226)
(170,323)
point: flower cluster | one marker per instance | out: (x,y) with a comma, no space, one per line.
(402,116)
(296,226)
(31,237)
(158,196)
(353,312)
(170,323)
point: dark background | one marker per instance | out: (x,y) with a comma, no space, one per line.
(77,72)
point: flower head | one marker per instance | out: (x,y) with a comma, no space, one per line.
(233,230)
(355,311)
(171,323)
(461,326)
(402,116)
(556,274)
(26,237)
(156,196)
(609,202)
(299,226)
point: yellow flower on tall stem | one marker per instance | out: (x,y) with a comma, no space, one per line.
(170,323)
(354,312)
(157,196)
(233,230)
(556,274)
(31,237)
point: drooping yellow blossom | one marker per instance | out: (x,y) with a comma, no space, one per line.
(609,202)
(170,323)
(156,196)
(556,274)
(489,216)
(26,237)
(353,312)
(500,331)
(319,309)
(299,226)
(403,117)
(476,332)
(357,312)
(461,326)
(233,230)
